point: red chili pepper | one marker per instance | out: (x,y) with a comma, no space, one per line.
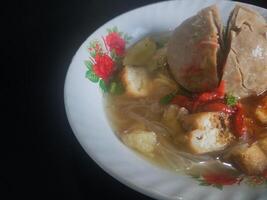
(221,89)
(193,104)
(218,93)
(239,121)
(183,101)
(207,96)
(217,107)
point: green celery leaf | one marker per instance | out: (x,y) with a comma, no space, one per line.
(231,100)
(116,88)
(167,98)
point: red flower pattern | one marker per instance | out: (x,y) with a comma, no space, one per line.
(103,66)
(104,59)
(220,179)
(115,42)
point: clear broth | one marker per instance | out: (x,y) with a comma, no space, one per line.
(127,114)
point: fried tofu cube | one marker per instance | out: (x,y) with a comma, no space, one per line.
(249,159)
(135,81)
(142,141)
(207,132)
(205,141)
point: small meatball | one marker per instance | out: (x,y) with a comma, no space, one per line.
(207,132)
(143,141)
(252,159)
(261,111)
(135,81)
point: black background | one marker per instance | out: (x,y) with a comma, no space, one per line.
(48,162)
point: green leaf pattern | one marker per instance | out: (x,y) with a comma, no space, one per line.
(88,64)
(103,86)
(92,76)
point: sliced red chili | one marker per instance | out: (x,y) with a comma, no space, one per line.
(183,101)
(239,121)
(193,104)
(218,93)
(221,89)
(217,107)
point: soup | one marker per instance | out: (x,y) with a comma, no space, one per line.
(188,123)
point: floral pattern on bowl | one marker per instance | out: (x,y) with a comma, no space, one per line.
(218,180)
(105,56)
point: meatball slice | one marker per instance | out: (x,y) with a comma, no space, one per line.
(193,50)
(245,70)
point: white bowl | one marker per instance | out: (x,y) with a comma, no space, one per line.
(86,114)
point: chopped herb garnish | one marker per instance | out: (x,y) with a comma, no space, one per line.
(231,100)
(116,88)
(167,98)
